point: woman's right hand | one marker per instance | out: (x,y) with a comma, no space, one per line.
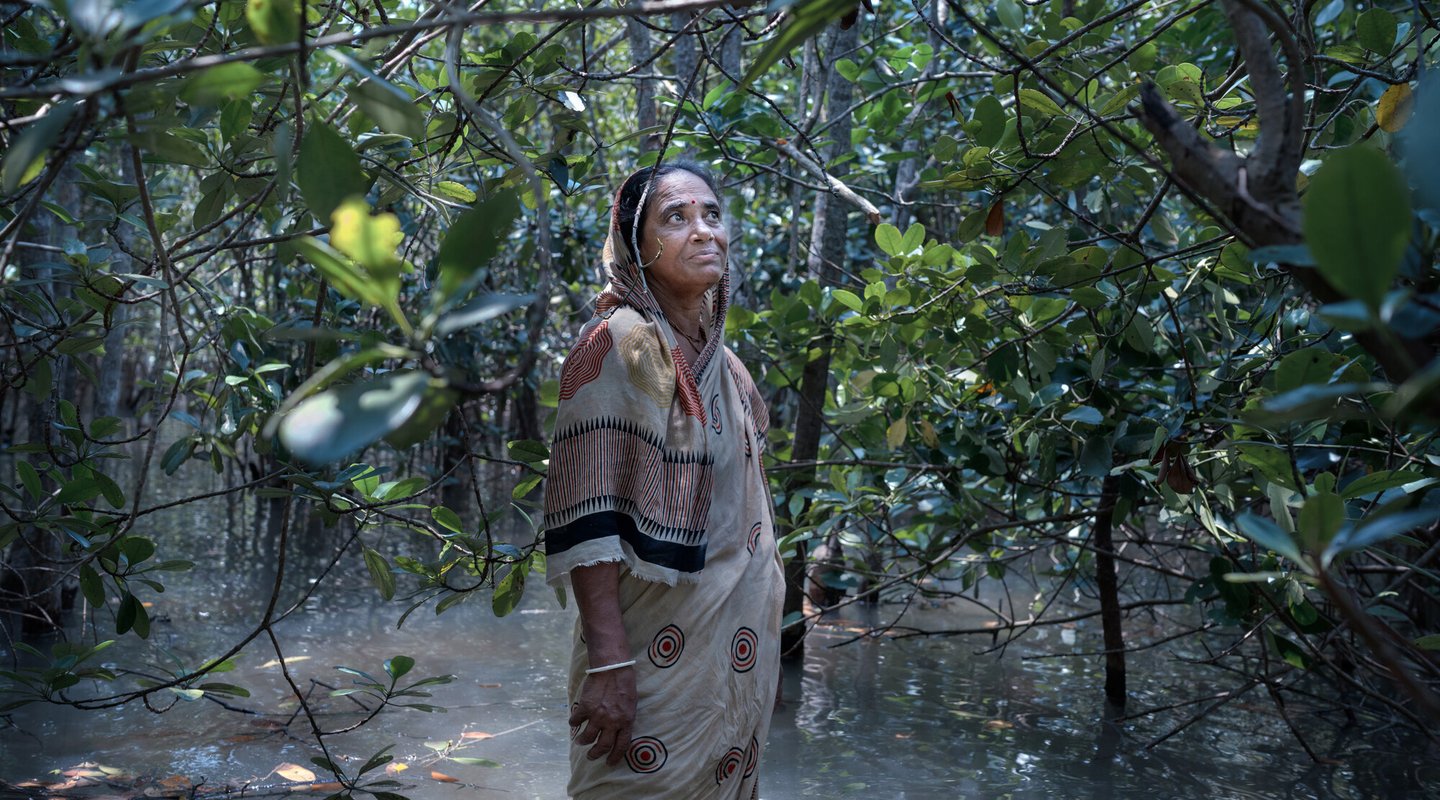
(606,709)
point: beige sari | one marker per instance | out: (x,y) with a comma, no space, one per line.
(657,467)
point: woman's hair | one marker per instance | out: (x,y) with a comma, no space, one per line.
(636,187)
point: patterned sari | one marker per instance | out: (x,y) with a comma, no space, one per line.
(657,466)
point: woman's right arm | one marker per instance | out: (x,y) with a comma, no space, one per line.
(607,699)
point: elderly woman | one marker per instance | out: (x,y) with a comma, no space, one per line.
(658,516)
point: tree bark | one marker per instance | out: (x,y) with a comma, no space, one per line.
(827,252)
(1108,585)
(640,50)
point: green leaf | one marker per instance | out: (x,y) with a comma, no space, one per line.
(1320,517)
(456,191)
(1429,642)
(528,450)
(1376,30)
(510,589)
(91,586)
(338,422)
(224,688)
(1302,367)
(328,171)
(178,453)
(447,518)
(889,238)
(806,18)
(990,115)
(1267,534)
(1357,222)
(380,759)
(137,549)
(1010,14)
(391,107)
(913,239)
(380,574)
(274,21)
(1272,462)
(1085,414)
(343,275)
(30,478)
(1377,482)
(220,83)
(524,487)
(474,238)
(26,155)
(398,666)
(1034,100)
(1375,530)
(132,616)
(847,298)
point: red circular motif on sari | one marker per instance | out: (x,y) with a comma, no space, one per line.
(754,538)
(646,755)
(752,757)
(742,650)
(729,764)
(667,646)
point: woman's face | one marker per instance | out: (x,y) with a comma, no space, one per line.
(682,238)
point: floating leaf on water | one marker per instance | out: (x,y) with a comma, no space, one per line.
(294,772)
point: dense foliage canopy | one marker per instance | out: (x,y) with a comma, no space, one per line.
(1113,306)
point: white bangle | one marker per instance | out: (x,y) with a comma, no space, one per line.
(608,667)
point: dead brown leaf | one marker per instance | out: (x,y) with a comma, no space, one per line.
(476,735)
(442,777)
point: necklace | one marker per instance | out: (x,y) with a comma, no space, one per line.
(697,341)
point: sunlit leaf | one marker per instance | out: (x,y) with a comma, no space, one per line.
(294,772)
(369,239)
(339,422)
(274,21)
(218,84)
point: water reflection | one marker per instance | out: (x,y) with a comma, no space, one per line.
(875,718)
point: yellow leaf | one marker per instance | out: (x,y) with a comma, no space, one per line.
(369,240)
(895,434)
(394,768)
(294,772)
(927,432)
(1393,110)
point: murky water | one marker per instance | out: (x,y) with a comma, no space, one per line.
(879,718)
